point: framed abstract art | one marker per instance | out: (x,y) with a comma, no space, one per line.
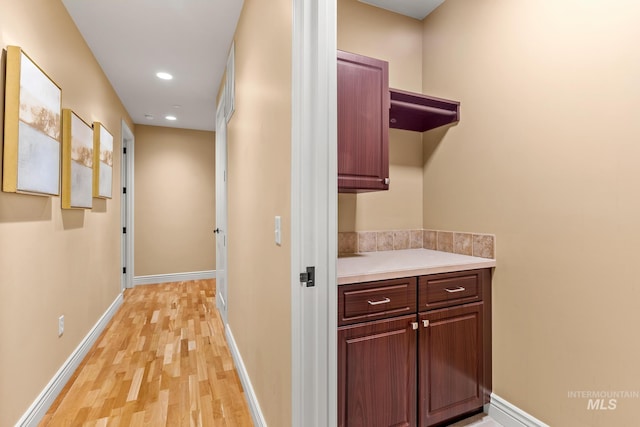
(32,128)
(77,162)
(103,161)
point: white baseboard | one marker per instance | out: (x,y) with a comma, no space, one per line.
(173,277)
(510,415)
(43,402)
(252,399)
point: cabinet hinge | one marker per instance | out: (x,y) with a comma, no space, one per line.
(124,190)
(124,230)
(124,150)
(309,278)
(124,270)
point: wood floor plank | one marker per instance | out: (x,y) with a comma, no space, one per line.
(135,385)
(161,361)
(137,419)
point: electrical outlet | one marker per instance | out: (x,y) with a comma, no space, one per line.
(61,325)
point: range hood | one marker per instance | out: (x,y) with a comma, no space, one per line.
(420,113)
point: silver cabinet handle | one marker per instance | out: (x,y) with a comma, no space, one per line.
(425,323)
(415,325)
(386,181)
(384,301)
(458,289)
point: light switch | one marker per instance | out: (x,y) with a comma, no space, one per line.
(278,231)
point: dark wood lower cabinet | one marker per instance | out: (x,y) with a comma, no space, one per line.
(421,369)
(377,373)
(450,363)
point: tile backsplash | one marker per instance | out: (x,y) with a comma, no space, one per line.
(475,244)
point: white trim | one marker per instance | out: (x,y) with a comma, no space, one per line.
(252,399)
(314,228)
(173,277)
(510,415)
(127,217)
(229,92)
(45,399)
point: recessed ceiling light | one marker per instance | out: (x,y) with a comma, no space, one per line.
(164,76)
(172,118)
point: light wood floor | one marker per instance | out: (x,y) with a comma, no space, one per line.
(162,361)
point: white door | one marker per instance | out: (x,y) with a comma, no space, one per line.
(126,179)
(221,211)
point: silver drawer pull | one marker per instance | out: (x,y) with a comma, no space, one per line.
(415,326)
(425,323)
(458,289)
(384,301)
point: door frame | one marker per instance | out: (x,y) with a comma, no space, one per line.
(127,207)
(222,300)
(314,207)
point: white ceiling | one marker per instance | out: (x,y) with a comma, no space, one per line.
(417,9)
(134,39)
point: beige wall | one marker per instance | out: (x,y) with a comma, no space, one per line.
(546,157)
(174,200)
(259,187)
(54,262)
(394,38)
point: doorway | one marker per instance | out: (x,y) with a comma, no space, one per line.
(126,203)
(221,210)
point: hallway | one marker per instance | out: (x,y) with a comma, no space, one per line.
(162,361)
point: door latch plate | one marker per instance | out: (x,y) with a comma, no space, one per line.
(309,277)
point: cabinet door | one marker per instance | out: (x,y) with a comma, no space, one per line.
(377,373)
(450,363)
(363,123)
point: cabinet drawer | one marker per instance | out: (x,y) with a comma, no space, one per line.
(443,290)
(376,300)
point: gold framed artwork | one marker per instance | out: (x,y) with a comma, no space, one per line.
(77,162)
(102,161)
(32,128)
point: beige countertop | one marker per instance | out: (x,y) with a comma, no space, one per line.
(369,266)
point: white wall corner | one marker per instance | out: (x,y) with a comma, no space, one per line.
(43,402)
(510,415)
(249,392)
(174,277)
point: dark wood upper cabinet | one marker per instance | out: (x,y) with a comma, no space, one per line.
(363,123)
(367,108)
